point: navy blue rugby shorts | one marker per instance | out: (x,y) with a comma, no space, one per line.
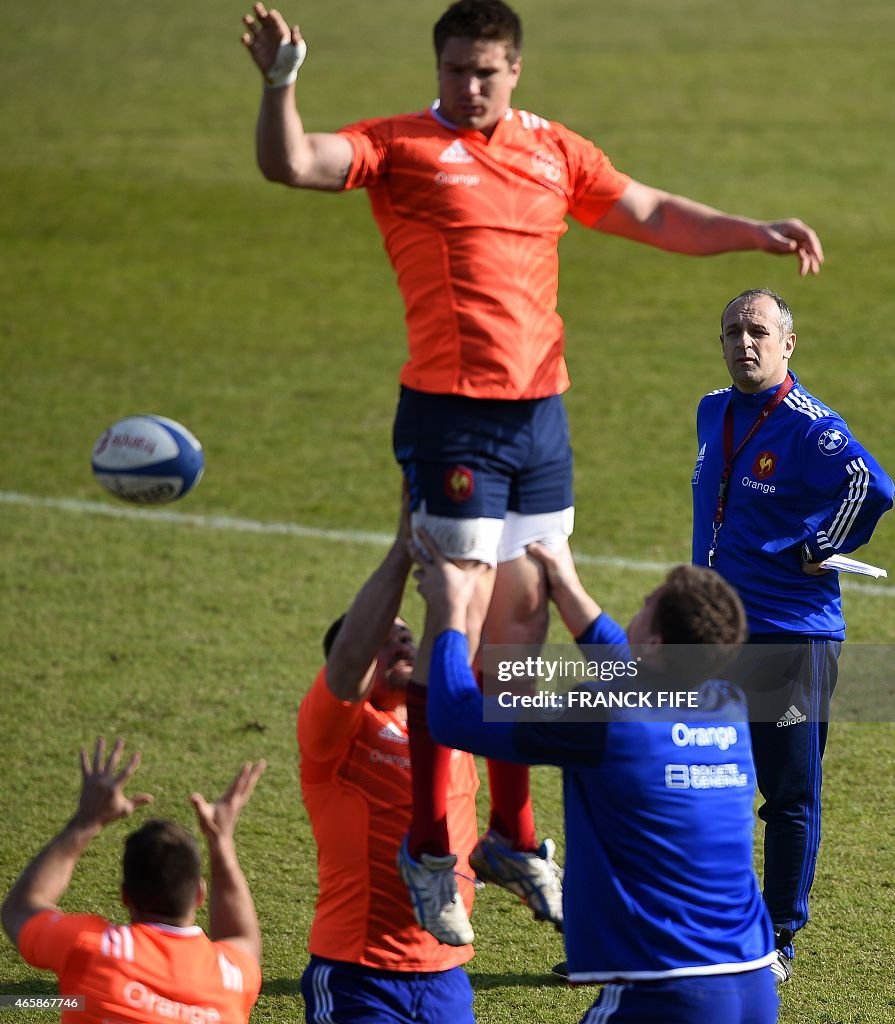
(468,458)
(747,998)
(346,993)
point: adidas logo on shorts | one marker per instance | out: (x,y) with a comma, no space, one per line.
(792,716)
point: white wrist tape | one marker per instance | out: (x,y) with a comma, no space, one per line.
(289,59)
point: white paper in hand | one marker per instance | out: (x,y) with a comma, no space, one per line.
(843,564)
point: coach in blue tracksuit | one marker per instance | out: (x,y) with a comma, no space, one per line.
(661,902)
(779,485)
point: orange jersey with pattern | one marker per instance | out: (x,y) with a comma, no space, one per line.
(355,781)
(142,973)
(472,225)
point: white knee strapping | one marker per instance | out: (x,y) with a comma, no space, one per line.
(473,540)
(548,528)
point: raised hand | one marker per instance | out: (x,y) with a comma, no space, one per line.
(102,788)
(265,32)
(218,820)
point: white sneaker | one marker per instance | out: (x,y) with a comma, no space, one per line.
(781,968)
(434,897)
(535,878)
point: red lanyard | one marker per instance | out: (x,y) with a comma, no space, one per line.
(730,453)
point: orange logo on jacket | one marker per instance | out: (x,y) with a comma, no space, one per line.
(764,465)
(459,483)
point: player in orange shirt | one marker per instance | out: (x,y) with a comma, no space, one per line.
(370,961)
(471,197)
(161,966)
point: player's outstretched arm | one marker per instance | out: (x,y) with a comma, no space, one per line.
(285,152)
(351,662)
(577,608)
(677,224)
(231,909)
(102,801)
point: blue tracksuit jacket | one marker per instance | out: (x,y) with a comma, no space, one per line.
(803,487)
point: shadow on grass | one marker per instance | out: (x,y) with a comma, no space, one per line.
(480,983)
(34,987)
(483,982)
(281,987)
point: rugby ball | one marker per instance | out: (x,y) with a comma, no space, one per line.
(148,460)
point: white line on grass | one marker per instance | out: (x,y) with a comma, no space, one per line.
(318,533)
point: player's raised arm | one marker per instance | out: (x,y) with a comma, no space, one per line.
(677,224)
(102,801)
(285,152)
(351,661)
(231,909)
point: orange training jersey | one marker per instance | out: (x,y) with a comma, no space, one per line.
(142,973)
(471,226)
(355,781)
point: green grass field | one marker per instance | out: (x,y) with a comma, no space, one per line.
(146,266)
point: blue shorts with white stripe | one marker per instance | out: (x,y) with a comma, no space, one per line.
(747,998)
(343,993)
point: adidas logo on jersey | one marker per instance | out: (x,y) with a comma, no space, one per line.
(392,732)
(792,716)
(455,154)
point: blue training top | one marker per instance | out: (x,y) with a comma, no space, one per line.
(802,488)
(659,880)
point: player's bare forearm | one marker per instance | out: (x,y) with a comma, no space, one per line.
(46,878)
(443,616)
(577,608)
(367,622)
(678,224)
(231,909)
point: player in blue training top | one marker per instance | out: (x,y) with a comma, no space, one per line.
(797,488)
(661,902)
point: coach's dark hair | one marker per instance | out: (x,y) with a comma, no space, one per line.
(162,868)
(751,294)
(329,637)
(490,21)
(698,609)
